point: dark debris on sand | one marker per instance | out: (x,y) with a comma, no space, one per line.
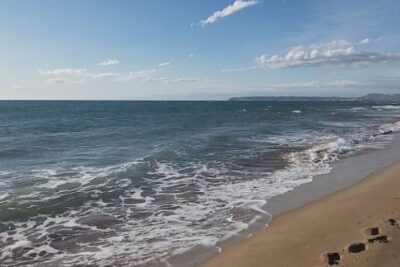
(333,258)
(379,239)
(357,248)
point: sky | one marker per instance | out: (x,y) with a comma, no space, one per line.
(197,49)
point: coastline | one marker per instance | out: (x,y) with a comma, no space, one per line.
(345,173)
(304,236)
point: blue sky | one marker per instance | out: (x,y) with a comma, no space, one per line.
(197,49)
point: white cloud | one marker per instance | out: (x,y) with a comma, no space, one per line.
(239,69)
(58,72)
(365,41)
(70,76)
(84,74)
(62,81)
(109,62)
(229,10)
(164,64)
(336,53)
(143,75)
(185,80)
(313,85)
(19,87)
(101,75)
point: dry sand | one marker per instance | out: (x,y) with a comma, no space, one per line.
(304,236)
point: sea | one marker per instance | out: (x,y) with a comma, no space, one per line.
(133,183)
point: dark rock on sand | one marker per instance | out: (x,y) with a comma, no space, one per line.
(374,231)
(357,248)
(379,239)
(333,258)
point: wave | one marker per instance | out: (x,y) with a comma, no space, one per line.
(358,109)
(390,128)
(169,208)
(387,107)
(147,210)
(322,154)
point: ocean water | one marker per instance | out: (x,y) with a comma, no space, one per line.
(132,183)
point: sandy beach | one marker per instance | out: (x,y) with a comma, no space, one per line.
(356,226)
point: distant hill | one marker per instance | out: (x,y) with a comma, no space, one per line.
(289,98)
(381,98)
(366,98)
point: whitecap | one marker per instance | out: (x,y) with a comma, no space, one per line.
(386,107)
(390,128)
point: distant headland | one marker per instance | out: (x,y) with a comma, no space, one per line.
(366,98)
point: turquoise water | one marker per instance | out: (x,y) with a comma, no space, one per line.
(118,183)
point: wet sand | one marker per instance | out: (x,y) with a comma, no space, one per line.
(357,226)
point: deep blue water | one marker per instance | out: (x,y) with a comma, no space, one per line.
(134,182)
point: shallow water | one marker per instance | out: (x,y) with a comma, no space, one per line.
(119,183)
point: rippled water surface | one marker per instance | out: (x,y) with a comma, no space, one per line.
(131,183)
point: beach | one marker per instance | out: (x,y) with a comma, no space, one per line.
(362,218)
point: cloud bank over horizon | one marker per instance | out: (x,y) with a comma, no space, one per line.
(334,54)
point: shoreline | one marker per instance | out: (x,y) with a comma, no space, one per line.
(304,236)
(345,173)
